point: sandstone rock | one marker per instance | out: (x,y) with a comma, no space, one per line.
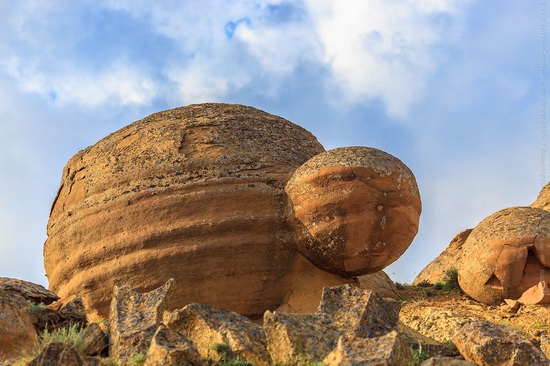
(513,305)
(59,315)
(435,271)
(60,354)
(207,325)
(356,209)
(538,294)
(95,339)
(195,192)
(507,253)
(489,344)
(344,311)
(389,349)
(17,333)
(378,282)
(543,199)
(431,321)
(170,348)
(30,291)
(134,318)
(446,361)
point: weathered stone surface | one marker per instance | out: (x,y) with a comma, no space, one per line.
(389,349)
(30,291)
(543,199)
(135,317)
(491,345)
(207,325)
(60,315)
(356,209)
(195,192)
(431,321)
(446,361)
(507,253)
(60,354)
(448,259)
(538,294)
(344,311)
(169,348)
(95,339)
(378,282)
(17,333)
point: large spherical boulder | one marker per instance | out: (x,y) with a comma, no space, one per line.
(505,254)
(193,193)
(355,209)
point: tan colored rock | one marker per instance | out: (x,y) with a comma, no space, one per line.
(195,192)
(207,325)
(356,209)
(57,353)
(389,349)
(378,282)
(490,344)
(135,317)
(538,294)
(543,199)
(435,271)
(60,315)
(30,291)
(169,348)
(507,253)
(17,333)
(431,321)
(96,342)
(446,361)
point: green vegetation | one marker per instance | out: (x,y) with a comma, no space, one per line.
(419,355)
(450,281)
(225,356)
(137,360)
(69,336)
(35,308)
(401,286)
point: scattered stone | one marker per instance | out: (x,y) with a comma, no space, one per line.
(30,291)
(59,315)
(187,191)
(506,254)
(95,339)
(355,209)
(135,317)
(490,344)
(435,271)
(446,361)
(208,325)
(538,294)
(17,333)
(389,349)
(57,353)
(169,348)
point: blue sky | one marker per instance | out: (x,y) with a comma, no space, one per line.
(451,87)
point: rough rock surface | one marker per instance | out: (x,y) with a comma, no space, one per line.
(16,330)
(435,271)
(356,209)
(59,315)
(169,348)
(60,354)
(378,282)
(344,311)
(446,361)
(432,321)
(95,339)
(30,291)
(135,317)
(491,345)
(195,192)
(207,325)
(389,349)
(543,199)
(538,294)
(506,254)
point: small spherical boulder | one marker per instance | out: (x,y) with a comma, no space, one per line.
(355,209)
(505,254)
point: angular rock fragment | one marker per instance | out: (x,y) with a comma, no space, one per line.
(355,209)
(59,315)
(135,317)
(538,294)
(389,349)
(95,340)
(169,348)
(17,333)
(490,344)
(208,325)
(30,291)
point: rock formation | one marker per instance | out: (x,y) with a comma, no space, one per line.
(198,194)
(357,209)
(543,199)
(506,254)
(194,193)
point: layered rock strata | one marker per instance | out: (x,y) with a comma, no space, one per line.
(195,193)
